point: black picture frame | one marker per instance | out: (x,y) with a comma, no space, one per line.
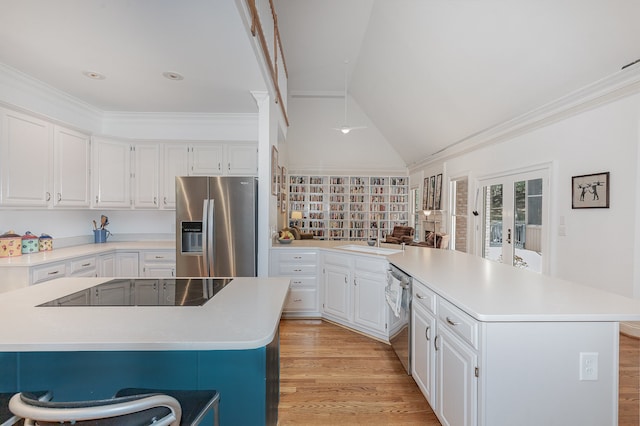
(432,193)
(437,204)
(274,170)
(590,191)
(425,193)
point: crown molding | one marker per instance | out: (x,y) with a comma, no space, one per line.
(609,89)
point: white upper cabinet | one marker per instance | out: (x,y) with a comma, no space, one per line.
(26,152)
(224,158)
(42,164)
(175,163)
(146,175)
(111,173)
(206,159)
(72,158)
(242,159)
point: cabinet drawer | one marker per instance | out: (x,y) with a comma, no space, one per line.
(301,300)
(424,297)
(458,322)
(303,282)
(335,259)
(297,256)
(295,269)
(372,265)
(80,265)
(159,256)
(49,272)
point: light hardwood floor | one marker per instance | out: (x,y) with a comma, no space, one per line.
(332,376)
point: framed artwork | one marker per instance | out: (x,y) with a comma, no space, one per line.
(425,193)
(437,204)
(274,170)
(278,179)
(283,179)
(590,191)
(432,193)
(283,202)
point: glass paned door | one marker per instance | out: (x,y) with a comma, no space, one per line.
(513,214)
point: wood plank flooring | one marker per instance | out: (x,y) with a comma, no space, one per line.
(332,376)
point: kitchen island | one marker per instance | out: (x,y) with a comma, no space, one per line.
(230,344)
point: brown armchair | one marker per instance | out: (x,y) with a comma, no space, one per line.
(401,234)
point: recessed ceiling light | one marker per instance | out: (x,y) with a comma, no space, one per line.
(93,75)
(172,75)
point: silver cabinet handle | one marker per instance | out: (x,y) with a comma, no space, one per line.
(165,201)
(229,166)
(426,333)
(53,272)
(48,196)
(297,257)
(155,201)
(452,322)
(508,236)
(435,343)
(419,296)
(159,257)
(59,197)
(85,264)
(297,300)
(297,282)
(219,166)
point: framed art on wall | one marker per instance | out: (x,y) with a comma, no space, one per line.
(590,191)
(437,205)
(432,192)
(425,193)
(274,170)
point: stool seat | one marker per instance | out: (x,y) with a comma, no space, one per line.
(7,418)
(195,403)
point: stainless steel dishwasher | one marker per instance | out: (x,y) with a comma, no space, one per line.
(398,295)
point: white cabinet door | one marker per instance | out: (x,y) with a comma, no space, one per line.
(423,369)
(25,160)
(71,162)
(337,291)
(457,385)
(106,265)
(206,159)
(111,173)
(146,293)
(113,294)
(146,175)
(176,163)
(127,264)
(242,159)
(369,304)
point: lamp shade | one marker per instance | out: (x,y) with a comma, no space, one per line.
(296,215)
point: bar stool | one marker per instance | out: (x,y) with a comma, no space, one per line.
(128,406)
(7,418)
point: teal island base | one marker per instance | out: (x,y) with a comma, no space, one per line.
(248,380)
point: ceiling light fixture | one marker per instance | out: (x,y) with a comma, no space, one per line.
(93,75)
(346,128)
(172,75)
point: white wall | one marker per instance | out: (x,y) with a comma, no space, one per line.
(599,249)
(314,146)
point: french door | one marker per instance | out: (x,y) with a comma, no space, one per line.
(514,219)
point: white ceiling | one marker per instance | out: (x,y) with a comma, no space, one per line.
(132,42)
(428,73)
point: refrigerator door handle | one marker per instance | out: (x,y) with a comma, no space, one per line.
(205,236)
(210,218)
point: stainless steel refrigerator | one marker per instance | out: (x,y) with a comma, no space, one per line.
(216,226)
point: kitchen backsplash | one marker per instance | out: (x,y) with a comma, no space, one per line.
(73,227)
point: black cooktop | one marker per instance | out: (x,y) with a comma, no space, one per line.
(145,292)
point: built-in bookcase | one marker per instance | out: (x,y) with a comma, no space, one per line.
(349,207)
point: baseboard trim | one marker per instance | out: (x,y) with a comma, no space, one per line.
(631,329)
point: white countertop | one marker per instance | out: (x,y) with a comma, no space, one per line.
(493,292)
(244,315)
(490,291)
(61,254)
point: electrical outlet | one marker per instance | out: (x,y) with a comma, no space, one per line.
(588,366)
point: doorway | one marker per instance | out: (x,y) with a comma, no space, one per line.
(515,219)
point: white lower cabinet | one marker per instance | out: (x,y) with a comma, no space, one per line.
(353,293)
(83,267)
(158,263)
(423,368)
(444,354)
(107,265)
(127,264)
(48,272)
(301,266)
